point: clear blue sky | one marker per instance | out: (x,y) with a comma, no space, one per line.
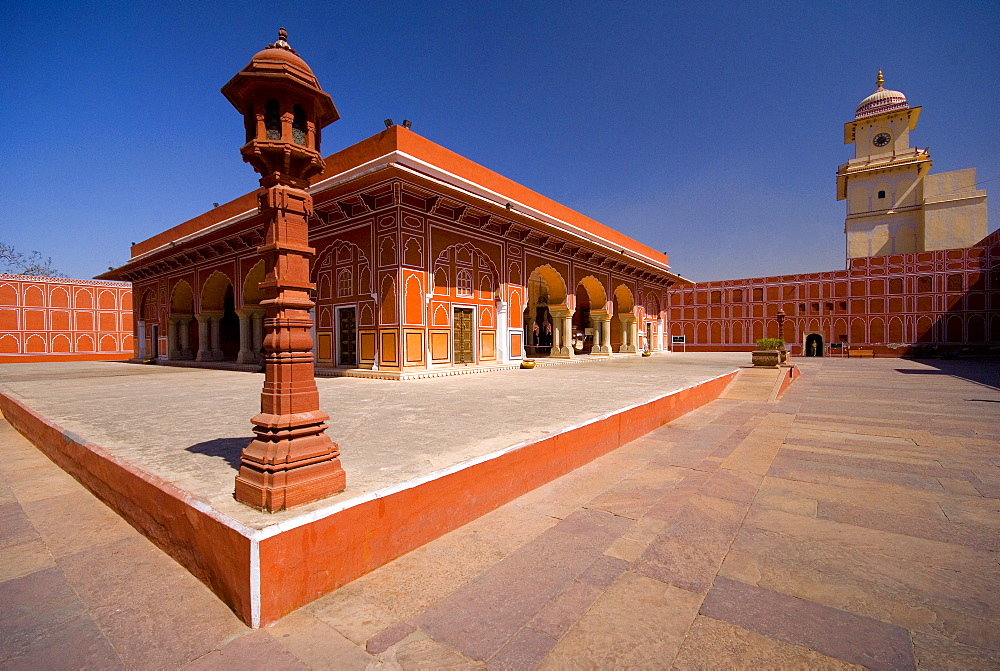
(711,131)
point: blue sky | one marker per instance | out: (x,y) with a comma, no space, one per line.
(711,131)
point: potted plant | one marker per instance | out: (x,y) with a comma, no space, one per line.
(528,363)
(768,353)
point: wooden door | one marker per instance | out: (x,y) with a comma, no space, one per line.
(348,338)
(463,336)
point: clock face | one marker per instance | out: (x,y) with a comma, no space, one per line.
(881,140)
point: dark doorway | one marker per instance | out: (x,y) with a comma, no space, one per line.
(229,327)
(814,344)
(538,333)
(347,351)
(463,336)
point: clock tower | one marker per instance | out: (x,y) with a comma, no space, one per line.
(893,205)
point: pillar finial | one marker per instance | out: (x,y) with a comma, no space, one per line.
(282,42)
(880,80)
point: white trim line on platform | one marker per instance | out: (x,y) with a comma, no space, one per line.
(334,508)
(254,584)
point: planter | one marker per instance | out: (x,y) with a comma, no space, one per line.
(527,363)
(647,353)
(784,355)
(765,358)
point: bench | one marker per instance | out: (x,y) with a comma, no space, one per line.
(861,352)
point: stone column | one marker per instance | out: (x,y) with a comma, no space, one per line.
(213,325)
(185,338)
(173,351)
(562,333)
(602,333)
(258,334)
(204,347)
(246,354)
(629,333)
(291,460)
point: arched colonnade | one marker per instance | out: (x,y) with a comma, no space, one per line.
(219,331)
(561,325)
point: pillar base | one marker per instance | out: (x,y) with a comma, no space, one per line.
(246,356)
(288,465)
(601,350)
(561,353)
(627,349)
(203,355)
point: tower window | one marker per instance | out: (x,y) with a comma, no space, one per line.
(881,194)
(299,125)
(250,123)
(272,120)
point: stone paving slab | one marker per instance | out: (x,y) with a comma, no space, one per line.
(754,567)
(188,426)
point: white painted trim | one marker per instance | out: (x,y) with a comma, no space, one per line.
(334,508)
(254,583)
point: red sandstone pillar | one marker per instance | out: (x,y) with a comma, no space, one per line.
(291,460)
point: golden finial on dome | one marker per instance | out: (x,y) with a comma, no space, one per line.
(880,80)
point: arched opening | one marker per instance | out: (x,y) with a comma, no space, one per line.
(218,324)
(814,345)
(148,327)
(589,316)
(299,130)
(622,320)
(272,119)
(183,327)
(546,289)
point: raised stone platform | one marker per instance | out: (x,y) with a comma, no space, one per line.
(161,445)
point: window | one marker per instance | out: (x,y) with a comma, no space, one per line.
(737,295)
(464,283)
(881,194)
(758,294)
(896,285)
(250,123)
(716,297)
(272,119)
(299,125)
(344,283)
(925,284)
(955,283)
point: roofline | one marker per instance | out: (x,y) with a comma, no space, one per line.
(419,155)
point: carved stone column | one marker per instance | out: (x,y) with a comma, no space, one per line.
(629,333)
(185,344)
(213,328)
(173,351)
(246,353)
(292,460)
(204,347)
(258,334)
(562,333)
(602,333)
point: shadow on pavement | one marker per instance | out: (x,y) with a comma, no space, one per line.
(228,449)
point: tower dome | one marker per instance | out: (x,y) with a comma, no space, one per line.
(880,102)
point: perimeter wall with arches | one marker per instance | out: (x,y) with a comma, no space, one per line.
(896,305)
(57,319)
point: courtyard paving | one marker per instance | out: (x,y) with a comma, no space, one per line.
(854,522)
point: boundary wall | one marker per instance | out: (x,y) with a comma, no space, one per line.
(896,305)
(58,319)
